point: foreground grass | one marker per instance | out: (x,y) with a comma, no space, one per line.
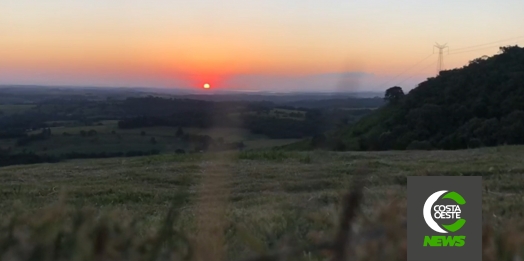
(234,206)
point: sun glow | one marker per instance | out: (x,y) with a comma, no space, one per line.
(207,86)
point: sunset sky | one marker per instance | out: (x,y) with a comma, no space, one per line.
(293,45)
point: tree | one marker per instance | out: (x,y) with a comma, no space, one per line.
(513,127)
(394,94)
(488,132)
(152,140)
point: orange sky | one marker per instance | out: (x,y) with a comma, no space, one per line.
(187,43)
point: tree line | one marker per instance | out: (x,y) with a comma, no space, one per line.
(273,127)
(7,159)
(480,104)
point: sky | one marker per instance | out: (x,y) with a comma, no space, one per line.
(269,45)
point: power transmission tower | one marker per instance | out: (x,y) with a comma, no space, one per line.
(441,48)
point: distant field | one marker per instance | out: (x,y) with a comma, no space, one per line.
(240,204)
(10,109)
(290,114)
(110,138)
(278,113)
(357,109)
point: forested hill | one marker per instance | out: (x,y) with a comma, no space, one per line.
(480,104)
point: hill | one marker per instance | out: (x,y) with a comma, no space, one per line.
(236,205)
(480,104)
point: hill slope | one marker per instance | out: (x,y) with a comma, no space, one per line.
(480,104)
(240,204)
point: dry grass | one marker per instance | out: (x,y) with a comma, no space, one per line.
(252,206)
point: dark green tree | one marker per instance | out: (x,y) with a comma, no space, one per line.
(394,94)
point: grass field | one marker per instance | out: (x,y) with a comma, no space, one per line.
(110,138)
(236,205)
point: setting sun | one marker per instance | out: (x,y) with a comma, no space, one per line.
(207,86)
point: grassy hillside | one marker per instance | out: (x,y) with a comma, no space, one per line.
(480,104)
(236,205)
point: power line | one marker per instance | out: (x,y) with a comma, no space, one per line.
(405,71)
(478,49)
(479,45)
(423,69)
(440,60)
(474,50)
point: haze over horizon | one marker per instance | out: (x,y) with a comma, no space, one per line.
(247,45)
